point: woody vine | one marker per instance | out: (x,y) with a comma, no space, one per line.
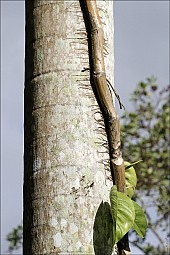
(126,213)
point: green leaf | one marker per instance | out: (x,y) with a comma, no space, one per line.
(128,165)
(131,179)
(140,224)
(123,213)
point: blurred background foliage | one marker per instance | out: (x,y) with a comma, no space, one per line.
(146,135)
(15,238)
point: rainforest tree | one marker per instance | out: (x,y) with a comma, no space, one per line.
(68,105)
(147,126)
(64,175)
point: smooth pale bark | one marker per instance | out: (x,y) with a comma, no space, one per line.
(65,180)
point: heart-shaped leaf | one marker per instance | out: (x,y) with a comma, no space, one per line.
(140,223)
(123,213)
(131,179)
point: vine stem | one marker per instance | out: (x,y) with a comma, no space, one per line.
(111,118)
(112,124)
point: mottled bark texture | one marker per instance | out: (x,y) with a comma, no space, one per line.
(65,178)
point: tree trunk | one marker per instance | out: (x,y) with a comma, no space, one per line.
(65,160)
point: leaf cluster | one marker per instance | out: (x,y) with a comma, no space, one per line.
(126,213)
(147,137)
(15,238)
(147,129)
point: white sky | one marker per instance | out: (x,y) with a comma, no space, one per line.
(141,50)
